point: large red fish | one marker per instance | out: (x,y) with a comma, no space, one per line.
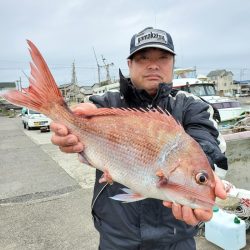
(149,152)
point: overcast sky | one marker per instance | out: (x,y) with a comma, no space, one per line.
(208,34)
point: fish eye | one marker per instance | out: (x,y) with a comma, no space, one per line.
(201,178)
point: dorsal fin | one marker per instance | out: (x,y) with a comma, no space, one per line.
(155,114)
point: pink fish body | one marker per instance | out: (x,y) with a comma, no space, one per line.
(146,151)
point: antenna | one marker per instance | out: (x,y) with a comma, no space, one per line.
(98,67)
(242,73)
(25,75)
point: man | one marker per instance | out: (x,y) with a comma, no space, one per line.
(147,224)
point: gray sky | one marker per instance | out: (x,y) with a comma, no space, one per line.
(208,34)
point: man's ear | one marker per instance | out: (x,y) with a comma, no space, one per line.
(129,62)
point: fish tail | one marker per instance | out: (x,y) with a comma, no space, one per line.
(43,94)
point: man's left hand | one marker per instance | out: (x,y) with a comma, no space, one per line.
(194,216)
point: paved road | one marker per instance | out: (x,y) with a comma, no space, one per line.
(42,205)
(45,195)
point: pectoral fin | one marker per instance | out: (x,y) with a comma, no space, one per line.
(159,173)
(106,177)
(128,197)
(82,158)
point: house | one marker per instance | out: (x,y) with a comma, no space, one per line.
(87,91)
(109,87)
(71,92)
(223,80)
(243,87)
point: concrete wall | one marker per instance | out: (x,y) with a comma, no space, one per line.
(238,153)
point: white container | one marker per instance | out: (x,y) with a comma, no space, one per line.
(226,230)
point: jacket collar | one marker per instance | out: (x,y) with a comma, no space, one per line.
(132,94)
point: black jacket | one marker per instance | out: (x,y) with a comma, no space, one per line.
(147,224)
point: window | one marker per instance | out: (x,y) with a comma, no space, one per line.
(217,105)
(235,104)
(197,90)
(210,90)
(226,105)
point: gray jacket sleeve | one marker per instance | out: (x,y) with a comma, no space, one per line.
(197,120)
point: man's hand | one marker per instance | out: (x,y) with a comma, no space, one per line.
(194,216)
(67,142)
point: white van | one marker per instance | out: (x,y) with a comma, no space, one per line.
(34,119)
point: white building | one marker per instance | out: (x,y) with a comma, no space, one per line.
(223,80)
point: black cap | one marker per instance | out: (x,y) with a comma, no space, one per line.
(151,38)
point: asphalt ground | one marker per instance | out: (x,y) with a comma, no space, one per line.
(42,206)
(45,195)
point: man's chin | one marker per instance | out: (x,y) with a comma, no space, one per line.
(153,84)
(152,91)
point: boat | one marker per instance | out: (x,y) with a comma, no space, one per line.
(230,110)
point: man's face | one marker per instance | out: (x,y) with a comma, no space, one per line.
(149,67)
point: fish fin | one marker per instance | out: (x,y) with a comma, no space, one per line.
(159,173)
(82,158)
(162,182)
(163,179)
(106,177)
(155,114)
(126,198)
(43,92)
(127,190)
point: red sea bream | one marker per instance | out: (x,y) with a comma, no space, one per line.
(146,151)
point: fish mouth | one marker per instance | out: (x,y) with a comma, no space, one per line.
(192,195)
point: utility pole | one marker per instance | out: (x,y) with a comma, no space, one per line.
(106,66)
(98,67)
(74,89)
(73,77)
(19,84)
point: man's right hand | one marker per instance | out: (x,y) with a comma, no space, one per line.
(66,141)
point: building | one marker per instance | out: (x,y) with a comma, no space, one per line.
(87,91)
(98,89)
(71,93)
(243,87)
(223,80)
(109,87)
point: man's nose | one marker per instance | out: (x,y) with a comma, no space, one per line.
(153,64)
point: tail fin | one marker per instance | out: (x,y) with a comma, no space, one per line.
(43,92)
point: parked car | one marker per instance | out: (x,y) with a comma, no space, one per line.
(34,119)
